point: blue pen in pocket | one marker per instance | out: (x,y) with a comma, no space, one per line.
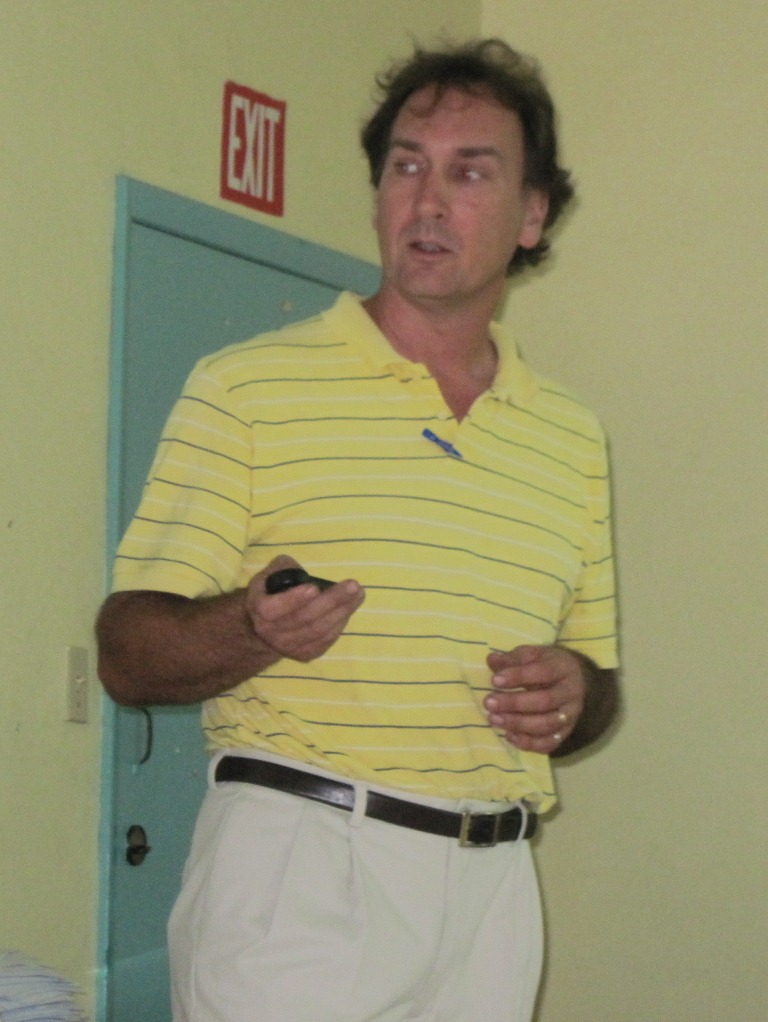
(447,447)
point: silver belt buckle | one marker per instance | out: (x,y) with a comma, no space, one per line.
(479,830)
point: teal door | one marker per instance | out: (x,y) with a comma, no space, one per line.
(188,279)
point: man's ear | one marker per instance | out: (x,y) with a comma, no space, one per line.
(536,209)
(374,219)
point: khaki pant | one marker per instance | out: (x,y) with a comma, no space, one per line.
(292,911)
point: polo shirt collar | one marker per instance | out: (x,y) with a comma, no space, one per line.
(514,382)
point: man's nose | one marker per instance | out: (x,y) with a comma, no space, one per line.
(432,196)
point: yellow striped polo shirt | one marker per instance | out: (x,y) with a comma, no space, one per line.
(310,441)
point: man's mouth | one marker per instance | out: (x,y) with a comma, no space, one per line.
(428,247)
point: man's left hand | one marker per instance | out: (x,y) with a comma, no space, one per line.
(538,697)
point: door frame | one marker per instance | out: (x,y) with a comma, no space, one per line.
(139,203)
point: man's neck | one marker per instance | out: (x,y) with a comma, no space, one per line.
(433,334)
(454,343)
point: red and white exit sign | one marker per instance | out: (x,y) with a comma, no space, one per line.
(253,149)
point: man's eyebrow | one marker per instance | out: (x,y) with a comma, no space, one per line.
(465,152)
(479,150)
(404,143)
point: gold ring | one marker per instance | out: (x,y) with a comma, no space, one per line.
(562,717)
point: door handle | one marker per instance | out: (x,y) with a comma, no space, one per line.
(137,849)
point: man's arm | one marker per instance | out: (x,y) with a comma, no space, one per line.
(160,648)
(550,699)
(602,699)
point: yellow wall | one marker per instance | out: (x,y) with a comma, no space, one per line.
(90,89)
(656,869)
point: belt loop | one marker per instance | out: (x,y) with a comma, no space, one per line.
(214,761)
(361,804)
(524,821)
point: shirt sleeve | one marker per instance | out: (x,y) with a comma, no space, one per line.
(590,625)
(191,528)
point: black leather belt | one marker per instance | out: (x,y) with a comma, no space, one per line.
(473,830)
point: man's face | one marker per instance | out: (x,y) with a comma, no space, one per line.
(451,207)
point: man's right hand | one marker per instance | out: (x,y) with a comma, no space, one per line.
(301,623)
(163,649)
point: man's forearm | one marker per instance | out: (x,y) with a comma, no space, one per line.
(162,649)
(601,705)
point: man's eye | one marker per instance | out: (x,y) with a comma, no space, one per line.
(471,173)
(406,167)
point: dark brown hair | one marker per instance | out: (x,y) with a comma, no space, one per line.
(486,66)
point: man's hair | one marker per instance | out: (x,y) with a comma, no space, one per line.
(480,67)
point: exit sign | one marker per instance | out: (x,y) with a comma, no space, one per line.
(253,149)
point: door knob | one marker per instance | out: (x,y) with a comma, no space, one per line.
(137,849)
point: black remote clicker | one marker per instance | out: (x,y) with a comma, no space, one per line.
(287,578)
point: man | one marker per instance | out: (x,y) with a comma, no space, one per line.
(381,747)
